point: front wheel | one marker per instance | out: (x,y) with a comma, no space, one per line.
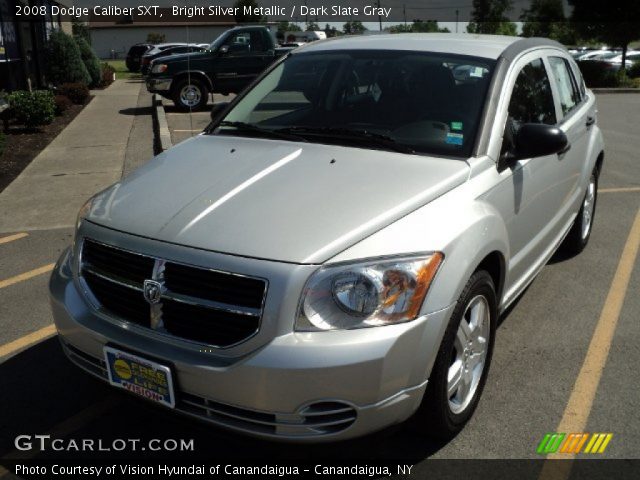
(580,232)
(461,368)
(190,94)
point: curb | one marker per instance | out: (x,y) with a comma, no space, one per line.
(615,90)
(160,126)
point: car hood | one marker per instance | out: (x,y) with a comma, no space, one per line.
(184,57)
(278,200)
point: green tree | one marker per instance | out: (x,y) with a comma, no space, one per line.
(545,18)
(401,28)
(312,27)
(331,31)
(490,16)
(248,17)
(428,26)
(354,28)
(418,26)
(64,60)
(90,61)
(80,29)
(615,22)
(156,38)
(286,27)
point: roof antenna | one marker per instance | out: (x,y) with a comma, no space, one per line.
(189,78)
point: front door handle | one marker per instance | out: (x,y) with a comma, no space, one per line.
(591,121)
(566,148)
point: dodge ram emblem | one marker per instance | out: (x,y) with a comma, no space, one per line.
(152,291)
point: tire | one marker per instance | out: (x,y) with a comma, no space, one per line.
(442,415)
(580,232)
(190,95)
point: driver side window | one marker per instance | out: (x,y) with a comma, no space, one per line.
(531,101)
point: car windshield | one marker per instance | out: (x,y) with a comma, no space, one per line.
(417,102)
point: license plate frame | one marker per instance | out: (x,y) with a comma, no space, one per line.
(140,376)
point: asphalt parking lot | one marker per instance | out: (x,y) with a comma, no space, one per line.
(184,125)
(548,371)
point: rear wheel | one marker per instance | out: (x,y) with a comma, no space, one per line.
(190,94)
(580,232)
(461,368)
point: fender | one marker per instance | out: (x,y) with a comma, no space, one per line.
(465,236)
(194,73)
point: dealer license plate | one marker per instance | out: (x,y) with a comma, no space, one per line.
(140,376)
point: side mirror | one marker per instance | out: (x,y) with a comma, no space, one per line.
(217,109)
(538,140)
(223,50)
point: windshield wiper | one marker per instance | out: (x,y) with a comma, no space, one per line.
(363,136)
(249,127)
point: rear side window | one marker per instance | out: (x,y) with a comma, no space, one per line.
(568,92)
(532,100)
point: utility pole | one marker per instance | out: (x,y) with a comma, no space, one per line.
(404,13)
(379,17)
(457,13)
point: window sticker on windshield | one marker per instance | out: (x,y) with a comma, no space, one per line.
(456,125)
(454,138)
(477,72)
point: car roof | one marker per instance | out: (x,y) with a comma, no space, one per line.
(487,46)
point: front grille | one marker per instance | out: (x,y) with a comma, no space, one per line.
(197,304)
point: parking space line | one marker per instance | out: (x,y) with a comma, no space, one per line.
(27,275)
(585,387)
(11,238)
(619,190)
(68,426)
(28,340)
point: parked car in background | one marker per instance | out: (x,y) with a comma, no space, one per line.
(331,256)
(174,50)
(134,56)
(593,54)
(304,37)
(615,63)
(228,65)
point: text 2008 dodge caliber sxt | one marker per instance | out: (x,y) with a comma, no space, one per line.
(331,255)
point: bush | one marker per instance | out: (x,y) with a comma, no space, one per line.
(62,103)
(1,142)
(32,109)
(107,74)
(90,61)
(64,60)
(596,75)
(634,70)
(76,92)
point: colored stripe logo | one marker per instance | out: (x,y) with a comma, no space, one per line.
(573,443)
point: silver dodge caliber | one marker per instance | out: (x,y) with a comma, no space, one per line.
(330,257)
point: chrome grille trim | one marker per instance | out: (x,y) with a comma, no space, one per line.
(91,269)
(157,326)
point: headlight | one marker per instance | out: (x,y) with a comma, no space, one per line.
(159,68)
(368,294)
(82,214)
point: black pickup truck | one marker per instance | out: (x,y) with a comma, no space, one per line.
(230,63)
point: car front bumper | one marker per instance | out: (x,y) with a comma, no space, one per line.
(159,85)
(299,386)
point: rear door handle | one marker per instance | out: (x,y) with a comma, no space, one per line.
(591,121)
